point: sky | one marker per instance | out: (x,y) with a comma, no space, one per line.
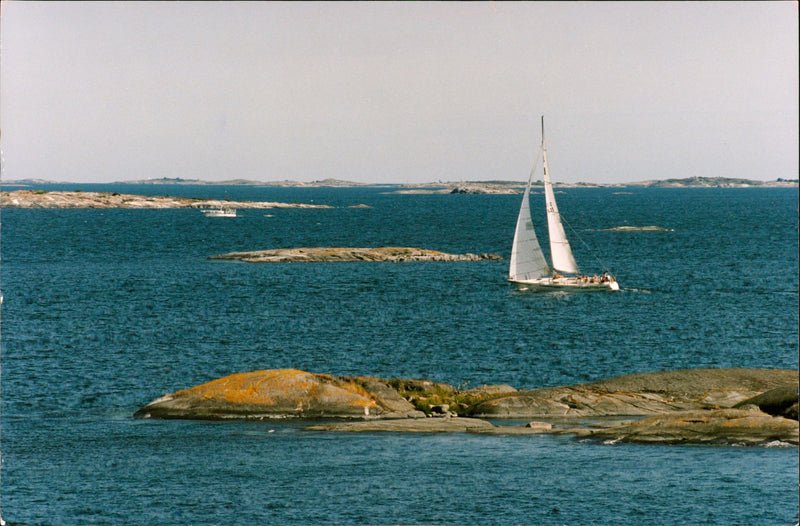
(382,92)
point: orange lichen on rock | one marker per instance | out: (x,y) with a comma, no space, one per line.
(257,394)
(255,387)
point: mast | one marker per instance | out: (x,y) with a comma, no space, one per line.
(560,251)
(2,521)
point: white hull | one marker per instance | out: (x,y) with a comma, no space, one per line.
(571,284)
(220,213)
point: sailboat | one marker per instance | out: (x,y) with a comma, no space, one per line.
(219,212)
(529,268)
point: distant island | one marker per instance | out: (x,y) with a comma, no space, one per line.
(452,187)
(229,182)
(716,182)
(39,198)
(343,254)
(626,228)
(505,187)
(46,199)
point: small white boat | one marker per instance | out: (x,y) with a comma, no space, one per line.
(219,212)
(529,268)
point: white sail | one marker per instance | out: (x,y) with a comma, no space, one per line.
(560,252)
(527,260)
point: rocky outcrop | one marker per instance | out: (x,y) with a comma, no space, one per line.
(638,394)
(781,401)
(712,427)
(281,393)
(45,199)
(718,427)
(704,406)
(338,254)
(724,426)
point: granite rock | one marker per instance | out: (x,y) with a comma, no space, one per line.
(781,401)
(278,393)
(637,394)
(699,406)
(747,426)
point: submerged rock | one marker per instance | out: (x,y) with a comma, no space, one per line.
(723,427)
(419,425)
(446,424)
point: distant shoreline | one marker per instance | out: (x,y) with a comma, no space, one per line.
(25,197)
(491,186)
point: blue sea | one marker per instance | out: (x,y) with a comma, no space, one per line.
(106,310)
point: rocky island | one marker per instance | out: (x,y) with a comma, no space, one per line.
(79,199)
(627,228)
(514,187)
(466,188)
(702,406)
(46,199)
(339,254)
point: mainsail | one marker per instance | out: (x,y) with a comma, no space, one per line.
(560,252)
(527,260)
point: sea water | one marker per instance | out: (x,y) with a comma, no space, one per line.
(106,310)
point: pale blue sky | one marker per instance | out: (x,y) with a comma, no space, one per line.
(398,92)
